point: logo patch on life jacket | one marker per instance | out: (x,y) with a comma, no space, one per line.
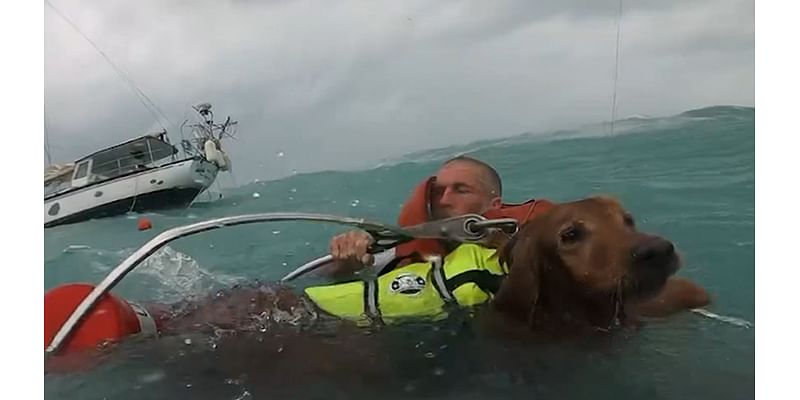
(407,283)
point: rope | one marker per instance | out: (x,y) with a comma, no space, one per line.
(135,192)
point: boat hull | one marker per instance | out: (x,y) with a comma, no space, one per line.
(170,186)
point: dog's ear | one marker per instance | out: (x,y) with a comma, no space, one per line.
(520,290)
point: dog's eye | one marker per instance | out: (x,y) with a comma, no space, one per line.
(628,219)
(571,234)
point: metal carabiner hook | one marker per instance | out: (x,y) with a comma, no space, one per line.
(470,228)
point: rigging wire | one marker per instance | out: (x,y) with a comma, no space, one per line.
(143,98)
(616,69)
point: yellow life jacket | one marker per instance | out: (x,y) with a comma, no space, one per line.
(468,276)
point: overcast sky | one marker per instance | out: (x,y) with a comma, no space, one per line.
(342,84)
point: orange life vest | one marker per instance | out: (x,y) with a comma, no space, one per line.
(417,210)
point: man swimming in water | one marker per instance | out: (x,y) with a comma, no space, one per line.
(462,185)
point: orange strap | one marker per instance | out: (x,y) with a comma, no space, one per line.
(417,210)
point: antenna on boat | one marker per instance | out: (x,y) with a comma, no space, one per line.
(205,136)
(204,109)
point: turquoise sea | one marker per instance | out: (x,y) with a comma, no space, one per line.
(689,177)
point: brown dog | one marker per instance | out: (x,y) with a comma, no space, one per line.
(584,265)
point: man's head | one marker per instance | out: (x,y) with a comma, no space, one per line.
(465,185)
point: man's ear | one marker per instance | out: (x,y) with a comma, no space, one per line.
(496,203)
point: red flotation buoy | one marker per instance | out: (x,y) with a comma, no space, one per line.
(144,224)
(110,320)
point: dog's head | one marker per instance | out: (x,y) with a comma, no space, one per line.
(583,260)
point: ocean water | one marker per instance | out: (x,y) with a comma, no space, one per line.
(689,177)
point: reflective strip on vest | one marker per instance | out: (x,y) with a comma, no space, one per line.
(439,280)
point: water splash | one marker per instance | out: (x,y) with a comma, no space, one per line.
(181,276)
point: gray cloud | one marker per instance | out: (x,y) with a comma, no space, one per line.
(344,84)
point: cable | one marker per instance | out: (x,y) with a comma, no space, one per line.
(616,69)
(143,98)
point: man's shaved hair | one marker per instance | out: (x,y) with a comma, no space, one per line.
(492,178)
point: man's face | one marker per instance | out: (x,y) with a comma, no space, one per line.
(461,188)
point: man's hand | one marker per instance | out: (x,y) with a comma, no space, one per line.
(349,251)
(352,247)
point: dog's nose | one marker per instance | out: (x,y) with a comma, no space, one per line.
(652,248)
